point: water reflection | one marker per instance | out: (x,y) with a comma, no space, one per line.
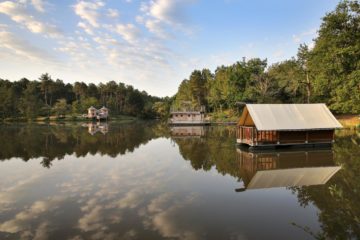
(57,141)
(187,131)
(144,181)
(286,168)
(94,127)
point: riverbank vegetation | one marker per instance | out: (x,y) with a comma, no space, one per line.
(48,99)
(328,72)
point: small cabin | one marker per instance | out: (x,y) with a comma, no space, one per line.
(271,125)
(92,112)
(188,117)
(101,114)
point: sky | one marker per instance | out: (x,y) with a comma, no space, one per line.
(150,44)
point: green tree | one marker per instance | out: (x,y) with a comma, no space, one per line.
(60,107)
(335,59)
(303,56)
(46,82)
(30,104)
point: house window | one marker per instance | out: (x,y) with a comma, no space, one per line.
(181,115)
(189,115)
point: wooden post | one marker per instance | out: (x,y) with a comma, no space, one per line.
(252,135)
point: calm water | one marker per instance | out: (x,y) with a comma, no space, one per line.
(146,181)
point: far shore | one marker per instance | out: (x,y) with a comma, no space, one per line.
(348,121)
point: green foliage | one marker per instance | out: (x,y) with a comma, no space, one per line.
(335,59)
(30,99)
(61,107)
(162,109)
(329,73)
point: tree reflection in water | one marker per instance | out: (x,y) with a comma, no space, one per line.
(336,196)
(335,192)
(338,200)
(55,141)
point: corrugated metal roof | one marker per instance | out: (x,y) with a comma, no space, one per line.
(292,177)
(292,116)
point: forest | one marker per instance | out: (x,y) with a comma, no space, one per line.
(328,72)
(46,97)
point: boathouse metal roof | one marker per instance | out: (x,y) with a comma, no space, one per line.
(279,117)
(292,177)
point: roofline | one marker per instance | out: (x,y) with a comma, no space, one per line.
(186,112)
(292,129)
(248,108)
(283,103)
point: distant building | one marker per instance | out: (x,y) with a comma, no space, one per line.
(101,114)
(92,112)
(272,125)
(188,117)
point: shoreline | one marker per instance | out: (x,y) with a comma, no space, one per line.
(348,121)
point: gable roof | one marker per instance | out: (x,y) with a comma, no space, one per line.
(290,116)
(292,177)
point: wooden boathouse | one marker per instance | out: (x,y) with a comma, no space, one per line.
(271,125)
(188,116)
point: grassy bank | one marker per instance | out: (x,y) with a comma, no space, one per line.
(70,118)
(349,121)
(224,117)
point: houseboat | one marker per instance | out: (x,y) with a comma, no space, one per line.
(186,116)
(98,114)
(285,168)
(273,125)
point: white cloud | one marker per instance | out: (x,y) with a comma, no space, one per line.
(163,215)
(113,13)
(23,219)
(22,47)
(129,32)
(86,28)
(42,232)
(157,27)
(278,54)
(89,11)
(160,13)
(132,199)
(168,11)
(18,13)
(38,5)
(298,38)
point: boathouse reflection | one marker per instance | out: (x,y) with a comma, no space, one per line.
(187,131)
(285,168)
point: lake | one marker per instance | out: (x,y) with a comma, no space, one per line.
(148,181)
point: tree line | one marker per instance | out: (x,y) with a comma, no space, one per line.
(329,72)
(45,97)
